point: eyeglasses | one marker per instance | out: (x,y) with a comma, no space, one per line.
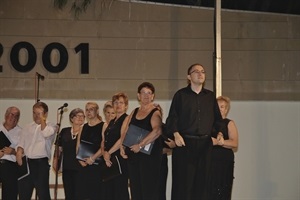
(119,102)
(197,71)
(146,93)
(79,116)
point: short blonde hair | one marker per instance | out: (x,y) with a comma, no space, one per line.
(108,104)
(226,100)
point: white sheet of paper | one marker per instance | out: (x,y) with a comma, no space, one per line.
(147,147)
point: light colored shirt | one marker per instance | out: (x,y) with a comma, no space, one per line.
(13,136)
(37,143)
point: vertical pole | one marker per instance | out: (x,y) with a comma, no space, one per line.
(218,60)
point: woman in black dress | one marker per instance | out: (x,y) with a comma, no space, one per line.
(67,146)
(89,184)
(144,170)
(222,155)
(117,187)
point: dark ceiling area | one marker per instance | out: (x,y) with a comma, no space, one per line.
(272,6)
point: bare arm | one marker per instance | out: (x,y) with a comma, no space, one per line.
(232,142)
(156,123)
(19,155)
(124,129)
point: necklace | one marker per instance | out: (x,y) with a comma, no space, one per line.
(74,135)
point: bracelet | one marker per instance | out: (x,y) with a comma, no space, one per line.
(92,159)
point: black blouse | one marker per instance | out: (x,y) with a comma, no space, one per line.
(69,149)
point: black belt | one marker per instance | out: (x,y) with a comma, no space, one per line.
(3,161)
(37,159)
(196,137)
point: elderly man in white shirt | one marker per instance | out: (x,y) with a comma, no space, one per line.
(36,141)
(8,167)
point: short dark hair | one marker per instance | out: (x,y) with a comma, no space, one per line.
(146,85)
(41,105)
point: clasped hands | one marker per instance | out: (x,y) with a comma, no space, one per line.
(87,161)
(179,141)
(220,139)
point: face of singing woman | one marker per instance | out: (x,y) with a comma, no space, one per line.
(145,95)
(223,108)
(90,112)
(120,105)
(109,114)
(78,119)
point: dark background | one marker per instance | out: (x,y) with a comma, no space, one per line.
(272,6)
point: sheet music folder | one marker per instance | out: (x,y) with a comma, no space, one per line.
(4,141)
(134,135)
(87,149)
(23,170)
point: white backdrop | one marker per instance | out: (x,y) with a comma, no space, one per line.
(268,158)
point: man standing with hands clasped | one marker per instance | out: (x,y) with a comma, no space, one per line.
(36,141)
(192,114)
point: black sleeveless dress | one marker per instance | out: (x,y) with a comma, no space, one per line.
(144,170)
(116,188)
(222,166)
(89,184)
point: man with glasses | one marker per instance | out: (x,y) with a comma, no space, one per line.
(10,132)
(192,114)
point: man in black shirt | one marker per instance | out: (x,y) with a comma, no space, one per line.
(192,114)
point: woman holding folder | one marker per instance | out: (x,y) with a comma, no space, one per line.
(89,184)
(144,169)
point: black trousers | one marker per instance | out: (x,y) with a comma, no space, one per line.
(144,175)
(117,188)
(38,179)
(69,178)
(191,169)
(9,179)
(89,184)
(163,177)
